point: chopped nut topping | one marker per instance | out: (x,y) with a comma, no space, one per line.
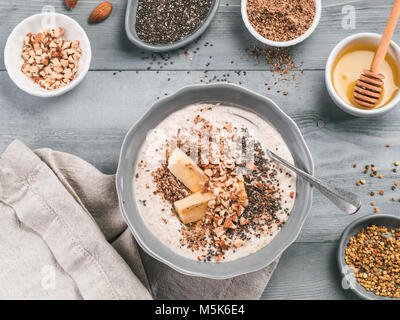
(49,60)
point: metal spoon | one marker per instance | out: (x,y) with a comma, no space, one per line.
(346,201)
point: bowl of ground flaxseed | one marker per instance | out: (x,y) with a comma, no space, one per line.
(281,23)
(165,25)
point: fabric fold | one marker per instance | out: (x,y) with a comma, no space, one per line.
(42,204)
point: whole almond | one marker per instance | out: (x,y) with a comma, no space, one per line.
(71,3)
(101,12)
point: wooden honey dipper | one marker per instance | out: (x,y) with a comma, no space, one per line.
(369,87)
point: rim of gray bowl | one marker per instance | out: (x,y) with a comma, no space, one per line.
(154,247)
(130,23)
(351,230)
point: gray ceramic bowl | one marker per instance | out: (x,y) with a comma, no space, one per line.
(130,23)
(349,280)
(227,94)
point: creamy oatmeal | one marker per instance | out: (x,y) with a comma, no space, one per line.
(205,187)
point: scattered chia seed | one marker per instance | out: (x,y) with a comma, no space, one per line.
(168,21)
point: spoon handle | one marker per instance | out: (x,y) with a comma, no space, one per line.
(386,38)
(346,201)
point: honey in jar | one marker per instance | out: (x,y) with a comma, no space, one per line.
(349,65)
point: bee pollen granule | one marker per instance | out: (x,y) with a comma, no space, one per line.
(374,255)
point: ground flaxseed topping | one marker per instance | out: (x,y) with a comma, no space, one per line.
(281,20)
(168,21)
(374,255)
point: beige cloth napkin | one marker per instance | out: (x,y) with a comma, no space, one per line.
(62,237)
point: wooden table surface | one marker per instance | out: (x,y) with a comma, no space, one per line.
(91,120)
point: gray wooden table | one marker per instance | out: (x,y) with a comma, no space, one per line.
(91,120)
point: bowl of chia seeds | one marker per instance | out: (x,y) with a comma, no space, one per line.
(165,25)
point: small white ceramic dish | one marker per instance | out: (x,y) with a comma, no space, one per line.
(37,23)
(317,17)
(364,38)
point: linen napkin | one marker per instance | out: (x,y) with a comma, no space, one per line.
(62,236)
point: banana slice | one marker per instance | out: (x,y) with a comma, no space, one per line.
(193,207)
(186,170)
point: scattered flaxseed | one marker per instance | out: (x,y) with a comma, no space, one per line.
(281,20)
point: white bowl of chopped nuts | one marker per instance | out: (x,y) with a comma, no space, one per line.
(273,28)
(47,54)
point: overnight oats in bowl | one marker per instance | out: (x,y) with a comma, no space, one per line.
(206,189)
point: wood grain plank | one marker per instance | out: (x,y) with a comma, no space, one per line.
(91,121)
(307,271)
(227,35)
